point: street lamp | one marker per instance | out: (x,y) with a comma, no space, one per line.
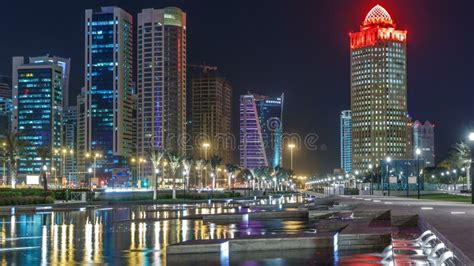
(291,146)
(418,152)
(471,140)
(4,147)
(371,192)
(95,156)
(388,160)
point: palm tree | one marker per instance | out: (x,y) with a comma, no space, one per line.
(231,169)
(200,165)
(187,163)
(174,161)
(215,162)
(15,149)
(156,156)
(45,154)
(461,158)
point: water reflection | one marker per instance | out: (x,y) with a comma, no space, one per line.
(138,235)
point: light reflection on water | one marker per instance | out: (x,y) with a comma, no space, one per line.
(132,235)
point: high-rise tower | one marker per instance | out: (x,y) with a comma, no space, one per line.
(423,139)
(261,131)
(211,116)
(161,80)
(38,110)
(378,90)
(109,87)
(346,141)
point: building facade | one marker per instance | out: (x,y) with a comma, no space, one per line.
(423,139)
(378,90)
(70,140)
(346,141)
(108,88)
(261,131)
(211,117)
(38,111)
(64,64)
(6,105)
(161,80)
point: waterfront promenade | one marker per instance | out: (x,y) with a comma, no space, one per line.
(453,222)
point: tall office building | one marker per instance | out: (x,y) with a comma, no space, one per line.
(38,109)
(378,91)
(423,139)
(64,64)
(261,130)
(70,139)
(346,141)
(109,87)
(161,80)
(6,104)
(211,116)
(81,147)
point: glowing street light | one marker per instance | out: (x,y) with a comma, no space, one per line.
(206,146)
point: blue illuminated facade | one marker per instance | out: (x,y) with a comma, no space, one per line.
(38,110)
(109,88)
(346,141)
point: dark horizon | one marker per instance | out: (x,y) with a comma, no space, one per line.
(300,49)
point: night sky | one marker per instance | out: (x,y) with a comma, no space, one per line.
(299,47)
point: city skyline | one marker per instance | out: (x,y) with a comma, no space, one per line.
(269,84)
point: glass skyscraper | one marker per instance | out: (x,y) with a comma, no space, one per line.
(378,91)
(38,109)
(346,141)
(109,87)
(161,80)
(261,130)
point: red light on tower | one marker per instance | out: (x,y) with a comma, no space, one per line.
(378,25)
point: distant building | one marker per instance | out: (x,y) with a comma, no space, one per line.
(261,131)
(82,164)
(161,80)
(378,90)
(70,139)
(38,110)
(64,64)
(410,138)
(109,88)
(423,139)
(346,141)
(6,105)
(211,117)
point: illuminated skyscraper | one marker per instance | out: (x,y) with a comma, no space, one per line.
(378,90)
(423,139)
(70,137)
(6,104)
(161,80)
(38,109)
(261,131)
(211,116)
(64,64)
(346,141)
(109,87)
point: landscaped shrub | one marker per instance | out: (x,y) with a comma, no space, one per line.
(25,200)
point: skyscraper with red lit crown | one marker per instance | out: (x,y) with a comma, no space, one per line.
(378,91)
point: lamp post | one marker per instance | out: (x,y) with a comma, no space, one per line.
(4,147)
(371,191)
(94,156)
(418,152)
(388,160)
(471,140)
(291,146)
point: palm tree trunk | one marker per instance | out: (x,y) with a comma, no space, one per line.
(155,191)
(174,187)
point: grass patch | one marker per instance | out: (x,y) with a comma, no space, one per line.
(444,197)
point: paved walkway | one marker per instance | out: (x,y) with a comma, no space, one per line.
(453,222)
